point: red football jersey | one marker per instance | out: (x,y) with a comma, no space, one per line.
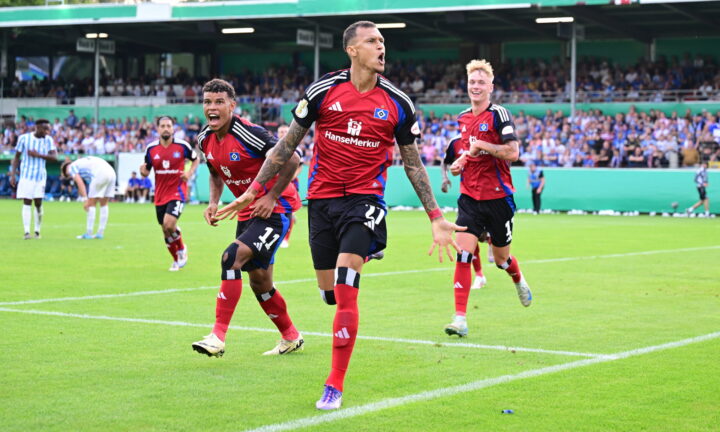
(486,177)
(169,164)
(237,158)
(355,134)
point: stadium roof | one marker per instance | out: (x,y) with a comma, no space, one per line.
(196,27)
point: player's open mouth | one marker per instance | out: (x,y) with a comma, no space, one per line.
(381,58)
(213,116)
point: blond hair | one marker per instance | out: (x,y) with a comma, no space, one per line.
(482,65)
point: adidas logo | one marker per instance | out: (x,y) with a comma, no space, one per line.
(458,285)
(375,184)
(342,334)
(221,296)
(157,157)
(210,156)
(335,107)
(258,245)
(272,316)
(464,129)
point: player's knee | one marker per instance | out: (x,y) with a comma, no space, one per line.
(464,257)
(227,263)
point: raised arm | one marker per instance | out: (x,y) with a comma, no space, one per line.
(441,229)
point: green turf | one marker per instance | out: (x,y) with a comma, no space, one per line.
(71,373)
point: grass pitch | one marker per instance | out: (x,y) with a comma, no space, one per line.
(623,333)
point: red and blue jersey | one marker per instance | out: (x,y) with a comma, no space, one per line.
(237,159)
(486,177)
(169,164)
(355,134)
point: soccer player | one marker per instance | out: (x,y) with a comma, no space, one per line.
(358,116)
(167,156)
(235,149)
(281,133)
(452,153)
(36,149)
(536,181)
(701,181)
(486,201)
(100,177)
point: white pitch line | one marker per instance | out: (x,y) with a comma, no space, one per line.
(433,269)
(306,333)
(469,387)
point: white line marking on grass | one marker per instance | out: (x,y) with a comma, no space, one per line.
(268,330)
(292,281)
(464,388)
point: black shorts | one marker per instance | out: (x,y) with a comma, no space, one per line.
(263,237)
(702,192)
(173,208)
(492,216)
(329,219)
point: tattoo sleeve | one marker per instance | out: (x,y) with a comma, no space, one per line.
(282,153)
(508,151)
(216,185)
(285,176)
(418,176)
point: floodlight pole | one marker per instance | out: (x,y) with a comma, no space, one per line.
(317,52)
(97,85)
(573,71)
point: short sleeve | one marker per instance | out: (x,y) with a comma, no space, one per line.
(450,152)
(408,130)
(504,124)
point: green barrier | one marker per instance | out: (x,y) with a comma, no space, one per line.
(179,111)
(591,189)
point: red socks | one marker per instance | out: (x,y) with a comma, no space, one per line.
(227,300)
(512,268)
(174,243)
(345,325)
(274,306)
(462,282)
(477,265)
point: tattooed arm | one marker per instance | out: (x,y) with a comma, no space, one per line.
(274,162)
(441,229)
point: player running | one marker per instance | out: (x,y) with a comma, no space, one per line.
(486,201)
(100,178)
(235,149)
(167,157)
(358,116)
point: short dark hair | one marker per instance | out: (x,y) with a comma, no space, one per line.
(163,117)
(351,31)
(218,85)
(42,121)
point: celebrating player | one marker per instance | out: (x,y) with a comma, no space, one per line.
(36,149)
(235,149)
(486,201)
(100,178)
(167,156)
(358,116)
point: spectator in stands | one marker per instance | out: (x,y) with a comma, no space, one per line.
(143,191)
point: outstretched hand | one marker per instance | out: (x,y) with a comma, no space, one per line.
(442,231)
(232,209)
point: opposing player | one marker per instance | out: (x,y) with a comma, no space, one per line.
(701,181)
(452,153)
(36,149)
(235,149)
(167,157)
(100,178)
(358,116)
(486,201)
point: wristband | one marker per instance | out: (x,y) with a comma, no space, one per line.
(257,187)
(434,214)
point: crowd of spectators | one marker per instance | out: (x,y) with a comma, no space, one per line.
(633,139)
(516,81)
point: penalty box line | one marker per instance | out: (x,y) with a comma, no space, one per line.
(394,273)
(384,404)
(306,333)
